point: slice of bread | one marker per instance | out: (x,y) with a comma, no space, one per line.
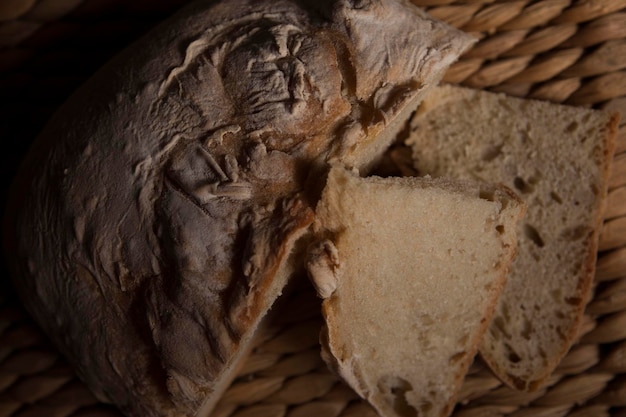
(411,269)
(557,157)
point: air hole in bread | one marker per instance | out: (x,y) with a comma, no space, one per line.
(491,152)
(554,196)
(533,234)
(572,127)
(576,233)
(573,300)
(500,229)
(457,357)
(528,329)
(427,320)
(523,186)
(398,387)
(576,266)
(586,118)
(495,333)
(500,324)
(463,339)
(512,355)
(486,195)
(426,406)
(505,312)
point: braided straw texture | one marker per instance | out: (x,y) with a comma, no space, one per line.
(566,51)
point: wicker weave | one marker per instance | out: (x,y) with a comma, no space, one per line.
(564,51)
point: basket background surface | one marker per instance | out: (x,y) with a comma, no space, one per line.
(565,51)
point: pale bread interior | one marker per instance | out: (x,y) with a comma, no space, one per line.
(557,158)
(416,267)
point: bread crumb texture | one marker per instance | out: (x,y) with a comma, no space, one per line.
(421,264)
(556,158)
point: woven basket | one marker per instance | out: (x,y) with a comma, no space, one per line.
(566,51)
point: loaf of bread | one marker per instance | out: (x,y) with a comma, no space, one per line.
(557,158)
(153,222)
(411,269)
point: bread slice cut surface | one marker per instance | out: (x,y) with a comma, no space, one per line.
(557,158)
(411,269)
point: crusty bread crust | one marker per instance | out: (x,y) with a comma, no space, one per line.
(155,217)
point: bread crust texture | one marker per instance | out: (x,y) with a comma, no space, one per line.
(153,221)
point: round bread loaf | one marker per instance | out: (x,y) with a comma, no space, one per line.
(153,221)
